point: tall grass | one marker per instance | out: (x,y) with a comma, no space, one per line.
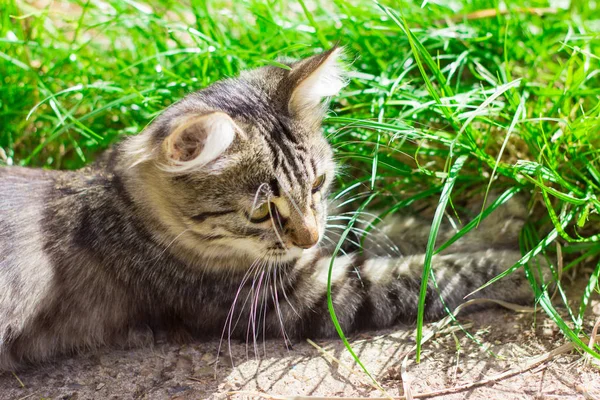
(447,100)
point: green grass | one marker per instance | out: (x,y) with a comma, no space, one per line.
(512,96)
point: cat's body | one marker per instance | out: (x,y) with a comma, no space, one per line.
(174,233)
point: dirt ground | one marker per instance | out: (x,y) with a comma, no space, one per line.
(451,359)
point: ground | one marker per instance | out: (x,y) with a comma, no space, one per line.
(191,371)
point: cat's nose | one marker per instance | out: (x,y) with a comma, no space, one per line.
(308,244)
(306,235)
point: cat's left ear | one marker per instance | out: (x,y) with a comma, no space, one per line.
(197,141)
(314,79)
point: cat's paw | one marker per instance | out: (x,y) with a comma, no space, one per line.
(7,360)
(174,334)
(138,336)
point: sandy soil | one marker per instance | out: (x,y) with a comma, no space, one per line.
(191,371)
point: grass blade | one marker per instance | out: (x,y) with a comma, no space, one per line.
(435,226)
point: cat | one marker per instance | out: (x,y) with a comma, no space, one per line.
(212,222)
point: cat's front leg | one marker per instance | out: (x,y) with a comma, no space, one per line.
(374,293)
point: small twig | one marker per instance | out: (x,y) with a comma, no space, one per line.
(583,390)
(457,344)
(18,379)
(406,380)
(592,341)
(559,264)
(28,396)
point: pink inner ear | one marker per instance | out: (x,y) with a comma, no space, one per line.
(188,145)
(198,140)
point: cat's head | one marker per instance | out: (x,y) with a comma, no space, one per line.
(242,168)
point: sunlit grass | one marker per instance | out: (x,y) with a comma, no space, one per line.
(509,90)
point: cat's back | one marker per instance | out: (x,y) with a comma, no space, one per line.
(17,182)
(22,202)
(22,193)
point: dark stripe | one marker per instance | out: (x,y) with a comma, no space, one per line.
(274,186)
(210,214)
(246,231)
(276,155)
(286,131)
(297,166)
(121,191)
(284,167)
(314,167)
(276,160)
(208,238)
(281,133)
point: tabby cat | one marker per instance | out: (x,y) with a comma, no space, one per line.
(212,221)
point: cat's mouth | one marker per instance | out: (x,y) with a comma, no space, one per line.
(277,253)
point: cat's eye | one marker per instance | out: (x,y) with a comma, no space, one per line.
(260,213)
(318,183)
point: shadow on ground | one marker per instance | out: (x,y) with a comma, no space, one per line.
(194,371)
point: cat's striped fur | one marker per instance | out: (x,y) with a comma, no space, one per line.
(160,236)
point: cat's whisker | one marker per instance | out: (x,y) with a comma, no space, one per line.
(355,229)
(334,243)
(360,246)
(329,239)
(231,313)
(275,227)
(367,223)
(256,312)
(390,249)
(289,197)
(265,302)
(253,271)
(255,203)
(361,233)
(275,298)
(250,296)
(346,239)
(285,294)
(346,255)
(357,196)
(369,214)
(168,246)
(252,323)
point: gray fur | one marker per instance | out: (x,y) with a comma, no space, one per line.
(90,257)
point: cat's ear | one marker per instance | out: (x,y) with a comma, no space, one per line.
(197,140)
(313,79)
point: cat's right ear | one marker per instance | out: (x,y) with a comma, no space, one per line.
(196,141)
(313,79)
